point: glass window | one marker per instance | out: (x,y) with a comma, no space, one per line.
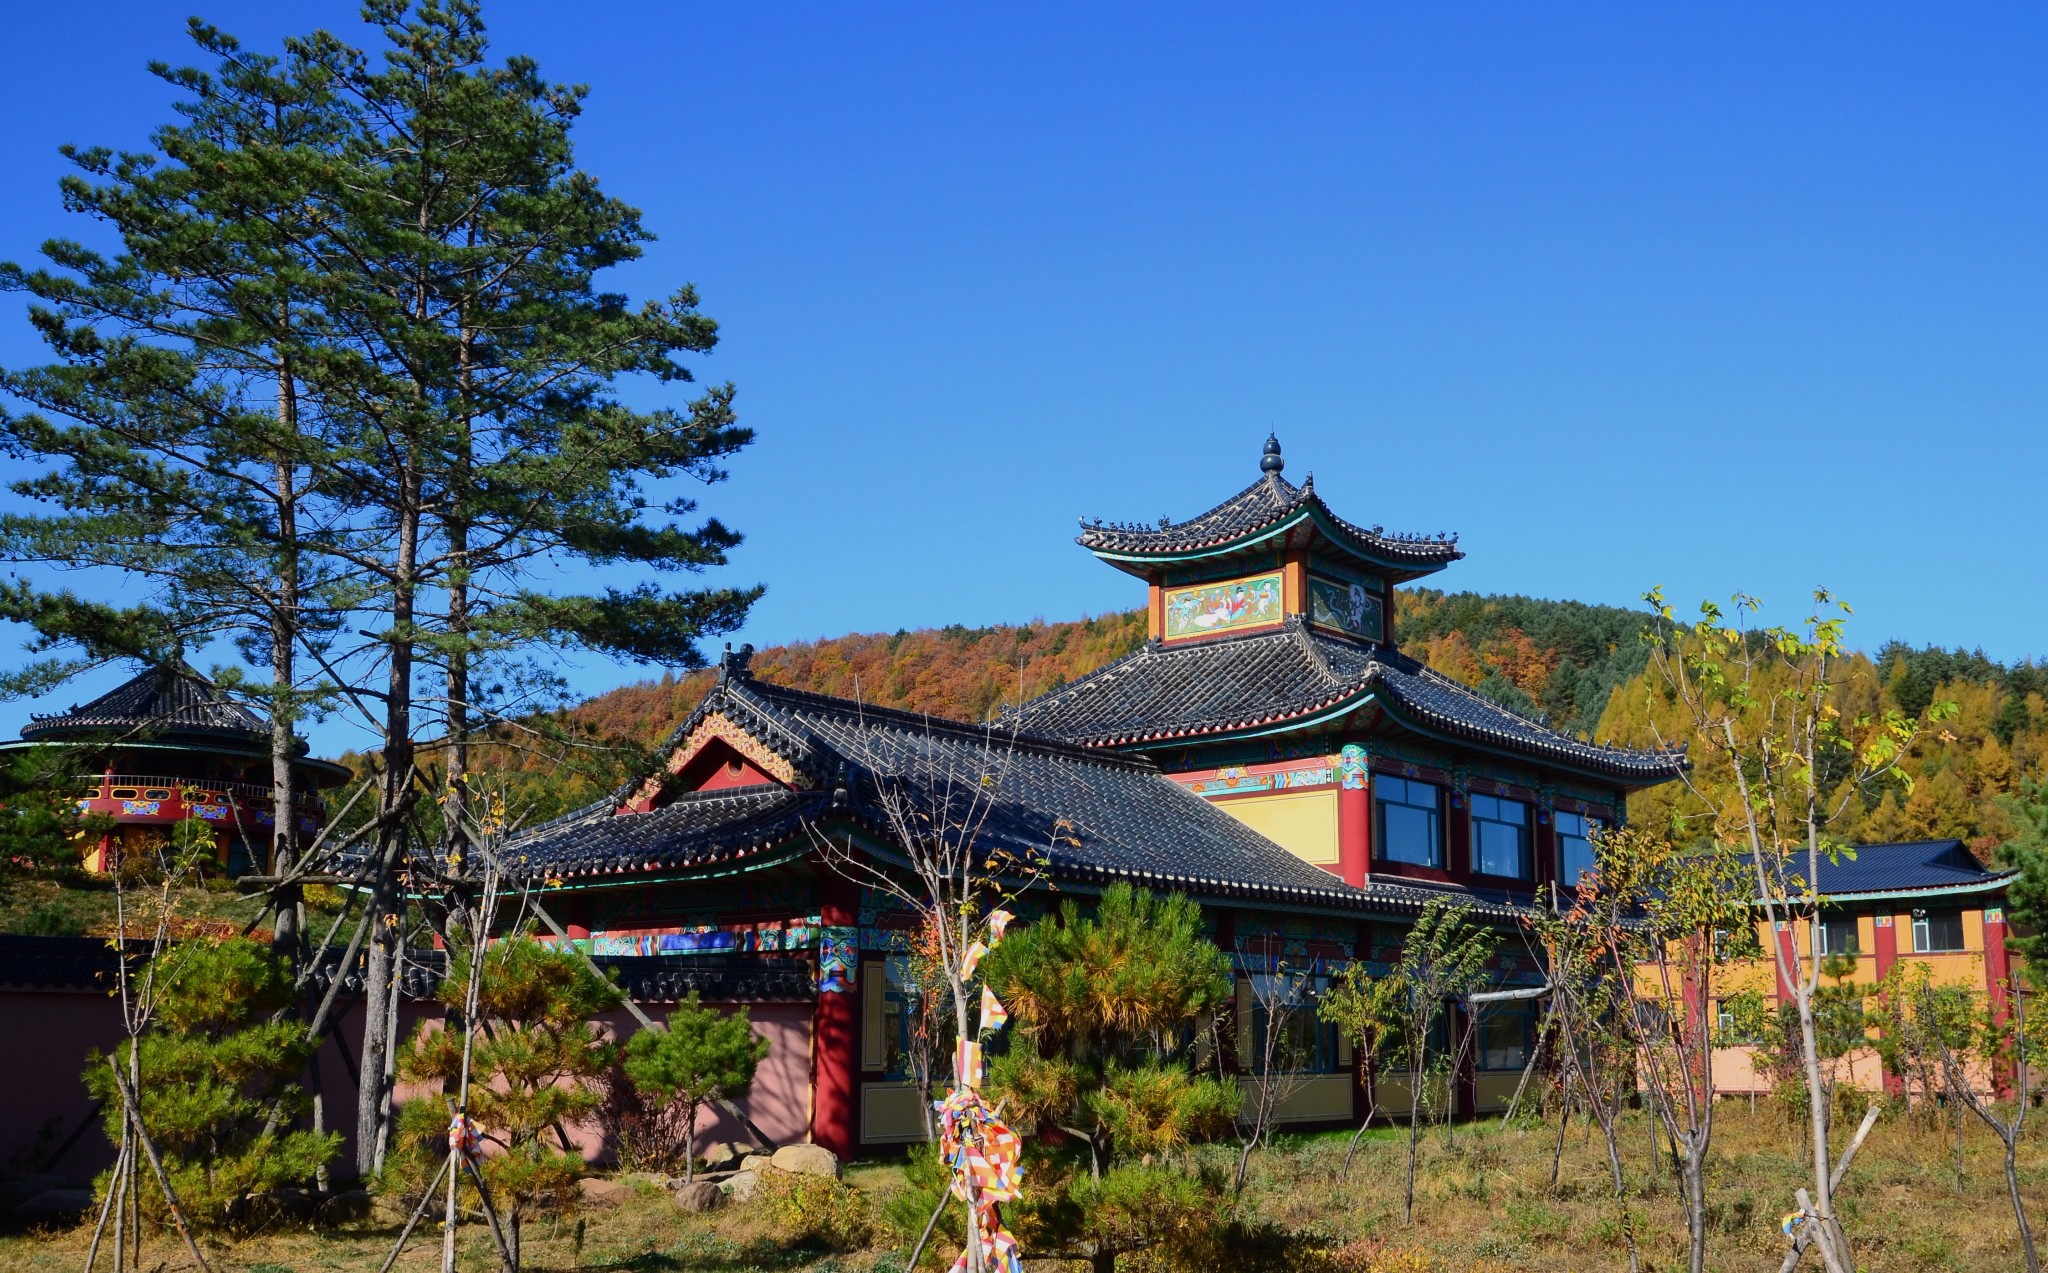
(1306,1044)
(1838,936)
(1936,932)
(1500,837)
(1574,846)
(1410,821)
(1504,1037)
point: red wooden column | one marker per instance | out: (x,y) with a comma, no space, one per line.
(1458,852)
(1354,816)
(1884,940)
(1784,938)
(1998,984)
(835,1024)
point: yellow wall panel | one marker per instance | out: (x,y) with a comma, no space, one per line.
(1302,822)
(891,1112)
(1306,1098)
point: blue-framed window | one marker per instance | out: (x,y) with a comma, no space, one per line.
(1410,818)
(1575,833)
(1500,837)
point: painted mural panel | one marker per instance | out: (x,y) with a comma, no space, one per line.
(1208,608)
(1346,606)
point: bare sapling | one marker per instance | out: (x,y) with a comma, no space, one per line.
(1271,1047)
(2005,1055)
(946,855)
(1594,1066)
(1367,1010)
(1781,748)
(1443,958)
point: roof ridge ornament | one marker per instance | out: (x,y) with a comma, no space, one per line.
(736,666)
(1271,462)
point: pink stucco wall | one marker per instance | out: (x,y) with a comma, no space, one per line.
(47,1034)
(779,1104)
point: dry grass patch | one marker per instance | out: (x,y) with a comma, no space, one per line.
(1484,1203)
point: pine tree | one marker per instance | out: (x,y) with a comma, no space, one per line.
(478,385)
(533,1056)
(218,1066)
(356,342)
(168,436)
(1102,1009)
(703,1055)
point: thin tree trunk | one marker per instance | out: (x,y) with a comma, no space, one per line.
(1415,1081)
(373,1109)
(2019,1206)
(1564,1121)
(388,1083)
(1693,1184)
(284,633)
(690,1144)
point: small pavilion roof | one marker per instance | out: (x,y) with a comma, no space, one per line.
(170,709)
(1271,508)
(1092,817)
(1292,676)
(158,703)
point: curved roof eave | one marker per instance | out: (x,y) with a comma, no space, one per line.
(1372,694)
(1399,569)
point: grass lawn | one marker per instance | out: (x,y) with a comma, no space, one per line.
(1485,1203)
(77,904)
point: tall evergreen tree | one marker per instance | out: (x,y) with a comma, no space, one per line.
(168,435)
(355,335)
(478,380)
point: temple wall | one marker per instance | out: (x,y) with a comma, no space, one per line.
(1302,822)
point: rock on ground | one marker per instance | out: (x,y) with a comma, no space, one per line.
(756,1162)
(600,1192)
(741,1188)
(700,1195)
(724,1155)
(806,1160)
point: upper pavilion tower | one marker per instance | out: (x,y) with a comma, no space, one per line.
(1271,684)
(1272,550)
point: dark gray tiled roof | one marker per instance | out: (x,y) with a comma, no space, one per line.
(159,702)
(694,829)
(1090,816)
(1908,867)
(1265,504)
(1208,689)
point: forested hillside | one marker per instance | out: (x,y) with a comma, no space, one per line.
(1962,778)
(1581,667)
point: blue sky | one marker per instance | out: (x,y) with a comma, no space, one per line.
(1721,297)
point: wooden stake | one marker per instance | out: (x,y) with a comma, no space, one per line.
(156,1165)
(426,1197)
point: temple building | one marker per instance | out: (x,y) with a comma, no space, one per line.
(168,746)
(1925,902)
(1269,752)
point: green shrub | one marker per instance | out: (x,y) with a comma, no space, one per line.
(817,1211)
(53,918)
(214,1071)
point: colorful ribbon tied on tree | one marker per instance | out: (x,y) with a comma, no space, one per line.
(464,1140)
(986,1157)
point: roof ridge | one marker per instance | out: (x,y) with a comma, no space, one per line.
(988,733)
